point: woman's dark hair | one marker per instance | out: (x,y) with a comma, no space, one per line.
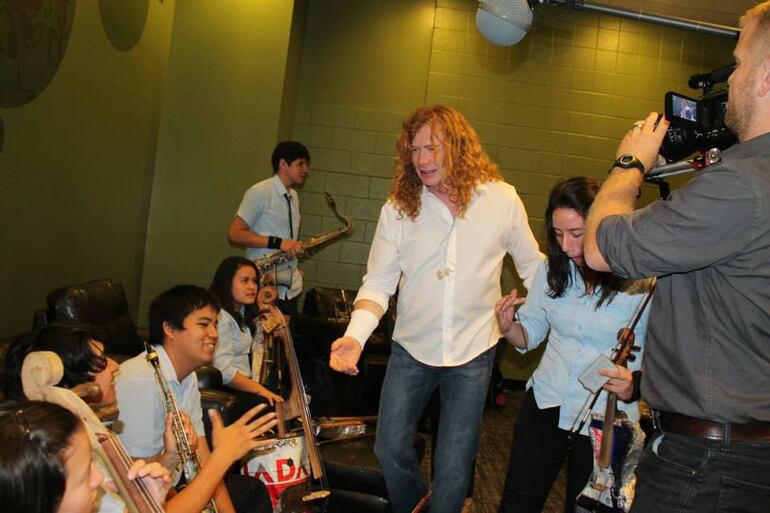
(71,340)
(576,193)
(174,305)
(222,288)
(33,438)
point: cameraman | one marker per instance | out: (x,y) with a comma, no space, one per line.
(707,363)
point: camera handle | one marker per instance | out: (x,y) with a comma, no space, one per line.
(660,173)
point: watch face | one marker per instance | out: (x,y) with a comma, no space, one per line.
(626,159)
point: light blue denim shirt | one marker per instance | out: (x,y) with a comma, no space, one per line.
(578,334)
(141,408)
(233,347)
(265,210)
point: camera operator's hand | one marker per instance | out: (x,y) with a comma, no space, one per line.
(644,140)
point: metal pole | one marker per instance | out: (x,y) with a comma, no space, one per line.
(669,21)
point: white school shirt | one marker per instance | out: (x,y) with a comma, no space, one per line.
(447,270)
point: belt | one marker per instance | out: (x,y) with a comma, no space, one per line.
(710,430)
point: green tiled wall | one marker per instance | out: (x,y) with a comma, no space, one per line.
(553,106)
(352,158)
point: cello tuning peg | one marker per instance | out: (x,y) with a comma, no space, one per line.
(636,348)
(631,357)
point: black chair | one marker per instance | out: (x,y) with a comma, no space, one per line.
(324,318)
(102,303)
(355,476)
(352,469)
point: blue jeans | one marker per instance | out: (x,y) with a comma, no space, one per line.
(408,386)
(684,474)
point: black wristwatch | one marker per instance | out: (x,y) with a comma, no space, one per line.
(628,161)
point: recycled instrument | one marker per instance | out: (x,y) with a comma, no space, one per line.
(40,373)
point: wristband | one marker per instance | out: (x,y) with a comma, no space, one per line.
(274,242)
(362,325)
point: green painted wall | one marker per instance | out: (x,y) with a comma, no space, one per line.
(131,162)
(364,66)
(77,161)
(293,64)
(221,113)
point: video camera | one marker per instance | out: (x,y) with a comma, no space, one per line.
(698,124)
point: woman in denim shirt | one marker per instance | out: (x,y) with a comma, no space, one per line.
(583,311)
(235,286)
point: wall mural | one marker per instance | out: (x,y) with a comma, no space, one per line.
(123,21)
(33,39)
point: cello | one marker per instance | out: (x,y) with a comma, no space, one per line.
(40,373)
(288,469)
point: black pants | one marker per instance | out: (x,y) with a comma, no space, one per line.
(680,473)
(246,401)
(538,451)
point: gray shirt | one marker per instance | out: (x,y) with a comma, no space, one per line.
(708,345)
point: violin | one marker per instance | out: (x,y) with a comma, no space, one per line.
(610,489)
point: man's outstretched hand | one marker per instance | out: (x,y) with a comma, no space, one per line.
(344,355)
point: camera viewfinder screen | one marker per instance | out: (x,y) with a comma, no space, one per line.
(684,108)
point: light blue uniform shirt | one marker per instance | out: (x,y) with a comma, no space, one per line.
(233,347)
(141,409)
(265,210)
(578,334)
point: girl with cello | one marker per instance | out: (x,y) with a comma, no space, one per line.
(235,285)
(90,372)
(46,464)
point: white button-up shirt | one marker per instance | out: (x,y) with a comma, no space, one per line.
(447,270)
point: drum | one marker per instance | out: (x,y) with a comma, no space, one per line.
(285,472)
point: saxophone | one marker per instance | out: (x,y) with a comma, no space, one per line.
(189,459)
(268,263)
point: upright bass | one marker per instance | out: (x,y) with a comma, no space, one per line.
(295,406)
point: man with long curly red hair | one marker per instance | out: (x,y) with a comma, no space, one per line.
(440,240)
